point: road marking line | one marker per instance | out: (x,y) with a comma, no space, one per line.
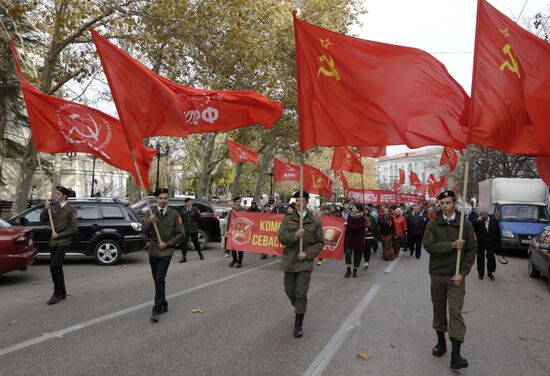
(62,332)
(321,362)
(390,267)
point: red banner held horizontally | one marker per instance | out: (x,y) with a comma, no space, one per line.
(258,233)
(382,197)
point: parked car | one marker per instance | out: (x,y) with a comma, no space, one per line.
(17,250)
(107,229)
(209,228)
(539,255)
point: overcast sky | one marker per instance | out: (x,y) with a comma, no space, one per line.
(444,28)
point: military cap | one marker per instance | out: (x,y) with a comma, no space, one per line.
(66,191)
(238,198)
(160,191)
(297,195)
(446,194)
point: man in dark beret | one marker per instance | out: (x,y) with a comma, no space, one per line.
(191,218)
(63,222)
(237,255)
(297,261)
(441,240)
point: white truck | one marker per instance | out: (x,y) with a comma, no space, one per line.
(520,207)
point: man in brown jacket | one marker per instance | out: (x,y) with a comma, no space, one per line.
(441,241)
(298,263)
(170,228)
(64,226)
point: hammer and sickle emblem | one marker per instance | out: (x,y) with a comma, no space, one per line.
(512,65)
(331,72)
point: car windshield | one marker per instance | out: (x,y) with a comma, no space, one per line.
(524,213)
(4,224)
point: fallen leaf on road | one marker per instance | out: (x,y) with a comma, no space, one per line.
(123,266)
(363,356)
(197,311)
(392,346)
(12,322)
(35,281)
(492,317)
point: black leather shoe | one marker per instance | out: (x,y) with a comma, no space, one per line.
(53,300)
(183,260)
(239,265)
(201,256)
(458,362)
(491,276)
(354,274)
(348,273)
(298,332)
(233,263)
(263,257)
(154,317)
(439,349)
(61,296)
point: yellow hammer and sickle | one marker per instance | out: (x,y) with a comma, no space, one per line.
(331,72)
(512,65)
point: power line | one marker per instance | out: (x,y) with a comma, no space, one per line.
(520,13)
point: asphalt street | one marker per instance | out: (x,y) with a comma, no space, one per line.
(244,321)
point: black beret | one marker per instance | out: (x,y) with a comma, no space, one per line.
(187,199)
(160,191)
(238,198)
(446,194)
(297,195)
(66,191)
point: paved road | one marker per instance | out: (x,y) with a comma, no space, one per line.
(246,328)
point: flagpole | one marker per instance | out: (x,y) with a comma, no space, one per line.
(143,193)
(468,141)
(301,200)
(363,188)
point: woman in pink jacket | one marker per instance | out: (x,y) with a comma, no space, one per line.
(400,230)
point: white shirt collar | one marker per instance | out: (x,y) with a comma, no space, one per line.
(61,204)
(451,218)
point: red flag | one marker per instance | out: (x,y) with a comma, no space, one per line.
(413,179)
(60,126)
(343,179)
(344,159)
(449,158)
(372,151)
(395,185)
(510,100)
(283,171)
(150,105)
(240,153)
(315,181)
(543,167)
(401,176)
(443,182)
(431,180)
(363,93)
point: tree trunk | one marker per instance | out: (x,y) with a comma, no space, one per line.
(264,169)
(235,191)
(28,166)
(209,142)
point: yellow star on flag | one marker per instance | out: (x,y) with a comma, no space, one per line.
(505,32)
(325,43)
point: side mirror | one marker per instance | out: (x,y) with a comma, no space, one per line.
(23,221)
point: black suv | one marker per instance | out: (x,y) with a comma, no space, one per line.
(107,228)
(209,228)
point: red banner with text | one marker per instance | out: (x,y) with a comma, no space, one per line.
(258,233)
(382,197)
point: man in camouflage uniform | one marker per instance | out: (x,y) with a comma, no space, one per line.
(297,264)
(170,229)
(441,241)
(64,226)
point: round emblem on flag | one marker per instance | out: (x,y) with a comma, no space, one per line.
(82,125)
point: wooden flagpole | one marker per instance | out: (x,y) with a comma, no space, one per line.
(301,200)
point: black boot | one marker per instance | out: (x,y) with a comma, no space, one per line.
(201,256)
(348,272)
(441,346)
(354,272)
(232,264)
(457,361)
(298,321)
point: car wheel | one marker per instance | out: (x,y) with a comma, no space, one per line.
(203,240)
(533,272)
(107,252)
